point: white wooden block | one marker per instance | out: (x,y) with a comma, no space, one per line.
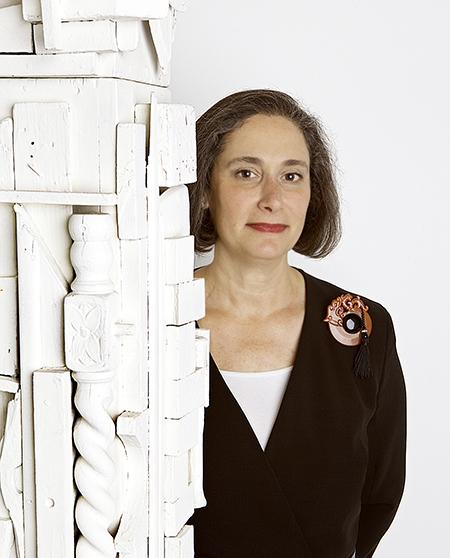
(41,146)
(51,19)
(11,471)
(174,211)
(16,34)
(176,144)
(196,464)
(131,537)
(8,337)
(9,385)
(100,9)
(54,456)
(182,545)
(185,302)
(127,34)
(181,434)
(177,513)
(180,356)
(179,259)
(163,35)
(202,339)
(185,395)
(7,545)
(176,475)
(80,36)
(6,154)
(131,185)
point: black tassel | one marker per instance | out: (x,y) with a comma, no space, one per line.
(361,364)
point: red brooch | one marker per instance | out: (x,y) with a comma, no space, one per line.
(350,324)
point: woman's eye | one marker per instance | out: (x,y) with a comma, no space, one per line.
(244,171)
(292,174)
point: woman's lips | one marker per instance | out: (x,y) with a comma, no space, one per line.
(266,227)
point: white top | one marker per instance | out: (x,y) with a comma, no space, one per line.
(259,394)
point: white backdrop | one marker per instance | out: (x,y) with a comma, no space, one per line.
(378,76)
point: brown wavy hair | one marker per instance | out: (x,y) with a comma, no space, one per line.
(322,229)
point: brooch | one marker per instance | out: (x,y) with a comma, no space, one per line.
(350,324)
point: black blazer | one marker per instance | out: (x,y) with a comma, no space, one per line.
(333,472)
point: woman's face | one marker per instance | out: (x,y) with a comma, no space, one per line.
(261,176)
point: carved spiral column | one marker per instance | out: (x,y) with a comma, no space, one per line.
(90,314)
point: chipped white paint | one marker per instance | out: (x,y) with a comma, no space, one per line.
(42,146)
(16,34)
(6,154)
(55,498)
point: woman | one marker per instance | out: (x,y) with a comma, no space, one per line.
(305,434)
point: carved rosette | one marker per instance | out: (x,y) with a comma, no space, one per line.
(90,313)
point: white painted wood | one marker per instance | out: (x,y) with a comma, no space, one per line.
(131,537)
(181,434)
(185,302)
(156,339)
(100,9)
(51,20)
(163,34)
(16,34)
(10,473)
(176,475)
(80,36)
(179,259)
(41,288)
(6,3)
(180,358)
(8,337)
(133,374)
(185,395)
(177,513)
(6,154)
(177,145)
(64,65)
(182,545)
(174,203)
(131,186)
(55,498)
(9,385)
(42,146)
(90,312)
(202,344)
(127,34)
(196,463)
(57,198)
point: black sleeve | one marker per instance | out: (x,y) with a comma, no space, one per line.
(385,477)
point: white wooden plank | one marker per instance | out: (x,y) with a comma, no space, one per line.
(176,475)
(51,19)
(180,357)
(196,463)
(182,545)
(6,154)
(9,385)
(8,337)
(174,211)
(16,34)
(179,259)
(55,498)
(202,344)
(177,513)
(42,146)
(11,462)
(79,36)
(163,34)
(183,396)
(177,147)
(100,9)
(57,198)
(131,185)
(64,65)
(185,302)
(181,434)
(127,34)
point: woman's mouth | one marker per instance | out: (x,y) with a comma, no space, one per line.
(268,227)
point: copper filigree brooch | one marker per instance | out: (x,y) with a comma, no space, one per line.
(350,324)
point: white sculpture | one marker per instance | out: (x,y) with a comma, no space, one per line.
(103,376)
